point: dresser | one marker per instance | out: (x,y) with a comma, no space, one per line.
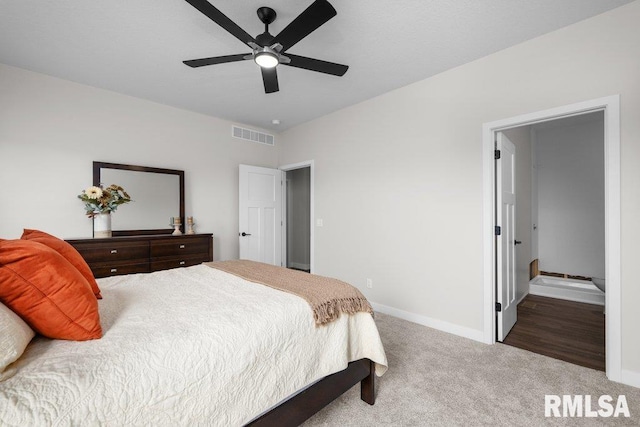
(143,254)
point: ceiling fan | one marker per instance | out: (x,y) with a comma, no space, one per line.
(267,50)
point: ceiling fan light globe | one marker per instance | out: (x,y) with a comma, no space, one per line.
(266,59)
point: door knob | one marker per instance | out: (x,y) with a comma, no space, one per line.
(517,242)
(245,234)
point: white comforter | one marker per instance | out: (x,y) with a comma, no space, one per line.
(183,347)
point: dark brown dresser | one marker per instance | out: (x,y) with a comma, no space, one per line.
(143,254)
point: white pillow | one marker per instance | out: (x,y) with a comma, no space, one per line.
(15,335)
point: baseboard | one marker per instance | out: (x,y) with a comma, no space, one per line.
(440,325)
(631,378)
(522,297)
(627,377)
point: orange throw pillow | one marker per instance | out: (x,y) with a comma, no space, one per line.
(67,251)
(47,292)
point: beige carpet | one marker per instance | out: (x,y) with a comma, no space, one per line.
(439,379)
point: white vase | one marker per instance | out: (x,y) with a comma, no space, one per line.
(102,225)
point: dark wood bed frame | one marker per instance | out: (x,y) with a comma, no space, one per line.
(303,405)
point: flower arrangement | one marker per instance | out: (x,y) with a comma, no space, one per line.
(98,200)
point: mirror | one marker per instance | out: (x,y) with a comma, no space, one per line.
(156,196)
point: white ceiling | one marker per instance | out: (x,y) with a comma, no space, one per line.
(137,48)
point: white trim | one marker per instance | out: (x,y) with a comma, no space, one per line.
(519,300)
(440,325)
(284,219)
(613,279)
(488,244)
(312,210)
(630,378)
(611,107)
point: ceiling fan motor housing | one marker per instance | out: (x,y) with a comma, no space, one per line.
(264,39)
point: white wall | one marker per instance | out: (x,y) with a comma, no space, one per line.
(399,177)
(570,178)
(521,138)
(51,130)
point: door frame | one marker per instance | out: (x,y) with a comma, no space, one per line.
(286,168)
(611,107)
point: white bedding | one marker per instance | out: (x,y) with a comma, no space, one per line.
(183,347)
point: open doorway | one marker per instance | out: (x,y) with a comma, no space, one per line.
(298,228)
(610,107)
(560,236)
(298,216)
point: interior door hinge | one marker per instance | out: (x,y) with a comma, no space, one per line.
(498,306)
(496,154)
(498,230)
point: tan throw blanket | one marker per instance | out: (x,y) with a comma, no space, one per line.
(327,297)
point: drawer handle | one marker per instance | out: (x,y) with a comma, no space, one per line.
(182,262)
(114,251)
(114,270)
(181,246)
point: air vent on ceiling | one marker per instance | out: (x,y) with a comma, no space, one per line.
(253,135)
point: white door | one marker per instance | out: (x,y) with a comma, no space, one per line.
(260,223)
(507,309)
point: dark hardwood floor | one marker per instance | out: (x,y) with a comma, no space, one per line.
(565,330)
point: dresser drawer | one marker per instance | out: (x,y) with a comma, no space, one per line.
(113,251)
(177,247)
(186,261)
(144,253)
(117,268)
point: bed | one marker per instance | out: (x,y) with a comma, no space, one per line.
(194,346)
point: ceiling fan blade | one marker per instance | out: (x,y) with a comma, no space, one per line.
(194,63)
(221,19)
(316,65)
(270,79)
(307,22)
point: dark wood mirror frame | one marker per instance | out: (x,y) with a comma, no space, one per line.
(97,166)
